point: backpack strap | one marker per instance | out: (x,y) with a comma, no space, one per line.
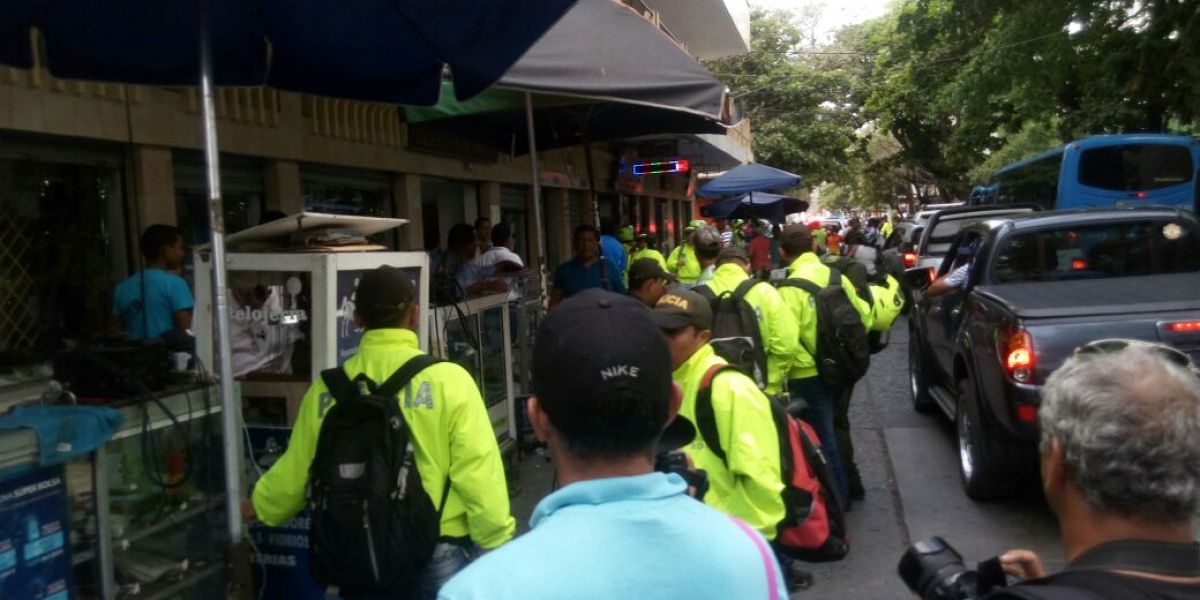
(339,384)
(709,295)
(405,373)
(743,288)
(804,284)
(706,418)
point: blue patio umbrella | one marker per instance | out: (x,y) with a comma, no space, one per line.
(763,205)
(749,178)
(373,50)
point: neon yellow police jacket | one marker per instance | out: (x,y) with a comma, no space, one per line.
(747,484)
(452,432)
(776,323)
(804,307)
(684,264)
(887,301)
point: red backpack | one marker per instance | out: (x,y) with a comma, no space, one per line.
(813,528)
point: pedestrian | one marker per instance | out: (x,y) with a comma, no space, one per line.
(819,234)
(648,281)
(616,528)
(586,269)
(457,266)
(803,380)
(611,248)
(833,239)
(746,481)
(682,260)
(456,453)
(644,247)
(1120,467)
(483,234)
(500,258)
(758,248)
(777,325)
(156,300)
(725,232)
(707,243)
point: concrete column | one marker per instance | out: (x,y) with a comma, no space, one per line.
(154,186)
(489,201)
(281,180)
(558,199)
(406,204)
(536,234)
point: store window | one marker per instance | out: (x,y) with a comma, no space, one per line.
(349,192)
(241,193)
(62,249)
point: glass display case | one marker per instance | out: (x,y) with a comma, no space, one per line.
(292,316)
(476,334)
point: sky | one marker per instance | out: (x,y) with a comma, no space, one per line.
(835,13)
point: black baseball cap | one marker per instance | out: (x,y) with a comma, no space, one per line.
(602,368)
(729,253)
(644,269)
(679,308)
(382,293)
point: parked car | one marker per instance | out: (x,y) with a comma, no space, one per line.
(1041,285)
(930,209)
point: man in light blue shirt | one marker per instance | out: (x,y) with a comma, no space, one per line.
(616,529)
(156,300)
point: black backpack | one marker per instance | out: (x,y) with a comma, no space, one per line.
(373,526)
(843,352)
(735,333)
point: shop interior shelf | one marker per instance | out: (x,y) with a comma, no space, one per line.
(168,588)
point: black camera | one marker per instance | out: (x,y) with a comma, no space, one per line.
(676,462)
(934,570)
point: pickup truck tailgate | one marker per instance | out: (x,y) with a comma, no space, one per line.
(1061,316)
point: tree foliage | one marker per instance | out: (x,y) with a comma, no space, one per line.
(936,94)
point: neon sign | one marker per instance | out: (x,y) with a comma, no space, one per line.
(658,167)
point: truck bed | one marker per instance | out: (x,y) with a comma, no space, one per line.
(1120,295)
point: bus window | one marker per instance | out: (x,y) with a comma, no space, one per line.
(1135,167)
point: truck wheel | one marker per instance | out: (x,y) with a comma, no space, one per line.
(918,384)
(978,455)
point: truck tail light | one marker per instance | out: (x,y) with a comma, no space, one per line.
(1184,327)
(910,259)
(1019,359)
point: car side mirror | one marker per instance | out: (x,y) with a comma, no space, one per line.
(919,278)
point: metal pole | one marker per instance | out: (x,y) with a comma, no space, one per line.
(230,430)
(540,230)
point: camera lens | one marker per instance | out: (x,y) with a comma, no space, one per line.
(935,571)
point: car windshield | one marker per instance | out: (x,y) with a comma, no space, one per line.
(1099,251)
(948,226)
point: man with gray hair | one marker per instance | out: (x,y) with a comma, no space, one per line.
(1120,458)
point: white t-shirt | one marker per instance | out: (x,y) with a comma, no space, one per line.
(498,254)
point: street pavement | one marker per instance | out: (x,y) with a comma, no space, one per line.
(909,467)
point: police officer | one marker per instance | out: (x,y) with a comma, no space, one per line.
(682,261)
(776,323)
(452,435)
(644,248)
(804,382)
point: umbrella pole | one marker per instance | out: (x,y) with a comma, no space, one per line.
(536,187)
(230,412)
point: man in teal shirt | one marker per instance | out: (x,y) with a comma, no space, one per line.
(616,528)
(156,300)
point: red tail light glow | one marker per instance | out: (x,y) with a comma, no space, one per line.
(1078,264)
(910,260)
(1184,327)
(1019,359)
(1027,413)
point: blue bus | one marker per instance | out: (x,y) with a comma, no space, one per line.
(1104,170)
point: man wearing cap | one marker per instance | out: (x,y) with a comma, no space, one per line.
(615,528)
(776,323)
(648,281)
(803,381)
(682,260)
(451,430)
(644,248)
(747,483)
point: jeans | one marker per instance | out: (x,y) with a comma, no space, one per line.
(448,559)
(841,427)
(822,404)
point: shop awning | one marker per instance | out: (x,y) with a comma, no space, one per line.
(601,73)
(385,51)
(750,177)
(758,205)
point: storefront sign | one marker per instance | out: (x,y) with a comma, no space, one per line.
(35,561)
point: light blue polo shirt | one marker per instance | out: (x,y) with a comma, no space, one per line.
(625,537)
(162,295)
